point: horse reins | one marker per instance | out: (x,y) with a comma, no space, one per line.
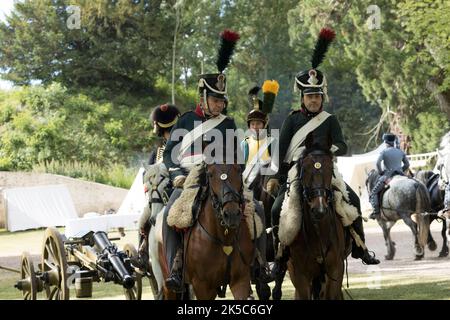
(310,193)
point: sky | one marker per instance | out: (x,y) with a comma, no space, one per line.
(5,7)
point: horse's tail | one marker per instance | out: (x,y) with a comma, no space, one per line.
(423,202)
(422,219)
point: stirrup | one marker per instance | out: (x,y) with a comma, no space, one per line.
(370,256)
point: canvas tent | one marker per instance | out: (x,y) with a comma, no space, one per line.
(354,169)
(126,217)
(36,207)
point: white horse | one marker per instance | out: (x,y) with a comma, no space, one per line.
(158,180)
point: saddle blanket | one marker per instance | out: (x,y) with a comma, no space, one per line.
(180,214)
(291,213)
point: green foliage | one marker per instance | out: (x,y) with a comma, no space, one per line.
(114,174)
(120,45)
(100,82)
(427,130)
(40,124)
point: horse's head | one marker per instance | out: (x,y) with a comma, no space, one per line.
(316,172)
(226,191)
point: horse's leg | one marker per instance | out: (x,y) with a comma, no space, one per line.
(430,241)
(444,251)
(303,287)
(418,249)
(203,291)
(241,288)
(386,227)
(276,291)
(263,290)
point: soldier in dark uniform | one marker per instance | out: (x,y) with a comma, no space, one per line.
(212,91)
(392,159)
(312,86)
(163,118)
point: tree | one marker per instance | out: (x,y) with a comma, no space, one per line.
(120,45)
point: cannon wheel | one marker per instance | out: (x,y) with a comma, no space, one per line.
(28,276)
(54,266)
(134,293)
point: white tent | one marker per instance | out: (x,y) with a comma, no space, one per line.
(354,169)
(36,207)
(126,217)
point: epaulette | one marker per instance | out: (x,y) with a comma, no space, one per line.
(294,111)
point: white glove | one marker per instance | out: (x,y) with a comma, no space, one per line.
(179,181)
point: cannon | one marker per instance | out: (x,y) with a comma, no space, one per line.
(79,260)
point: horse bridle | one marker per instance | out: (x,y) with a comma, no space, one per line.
(311,193)
(228,194)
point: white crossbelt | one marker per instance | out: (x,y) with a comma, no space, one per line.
(250,168)
(193,135)
(294,151)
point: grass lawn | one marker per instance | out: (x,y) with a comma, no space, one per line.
(390,286)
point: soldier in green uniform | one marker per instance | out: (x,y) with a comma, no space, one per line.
(312,86)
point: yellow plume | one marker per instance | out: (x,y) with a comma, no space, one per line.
(271,86)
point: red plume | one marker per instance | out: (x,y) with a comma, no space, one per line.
(327,34)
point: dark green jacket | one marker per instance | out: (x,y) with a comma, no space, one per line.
(189,121)
(296,120)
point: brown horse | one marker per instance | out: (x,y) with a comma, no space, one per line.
(317,254)
(218,248)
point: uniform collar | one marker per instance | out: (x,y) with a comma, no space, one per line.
(309,114)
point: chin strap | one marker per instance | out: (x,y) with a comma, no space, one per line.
(205,103)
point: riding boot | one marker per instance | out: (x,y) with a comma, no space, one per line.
(374,197)
(281,258)
(281,254)
(143,252)
(144,230)
(173,246)
(175,280)
(261,247)
(359,250)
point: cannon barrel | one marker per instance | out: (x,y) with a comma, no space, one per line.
(104,245)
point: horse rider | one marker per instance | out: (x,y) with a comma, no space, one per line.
(256,146)
(310,118)
(256,151)
(392,159)
(163,117)
(179,157)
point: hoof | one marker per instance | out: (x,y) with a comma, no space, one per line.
(388,257)
(276,294)
(418,257)
(250,297)
(443,254)
(432,245)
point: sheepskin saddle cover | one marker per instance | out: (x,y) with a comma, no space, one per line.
(181,215)
(291,212)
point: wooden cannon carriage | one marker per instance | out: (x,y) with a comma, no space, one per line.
(79,261)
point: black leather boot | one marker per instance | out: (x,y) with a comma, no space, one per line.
(175,280)
(374,198)
(281,257)
(359,252)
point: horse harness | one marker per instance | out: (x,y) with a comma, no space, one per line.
(310,193)
(229,194)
